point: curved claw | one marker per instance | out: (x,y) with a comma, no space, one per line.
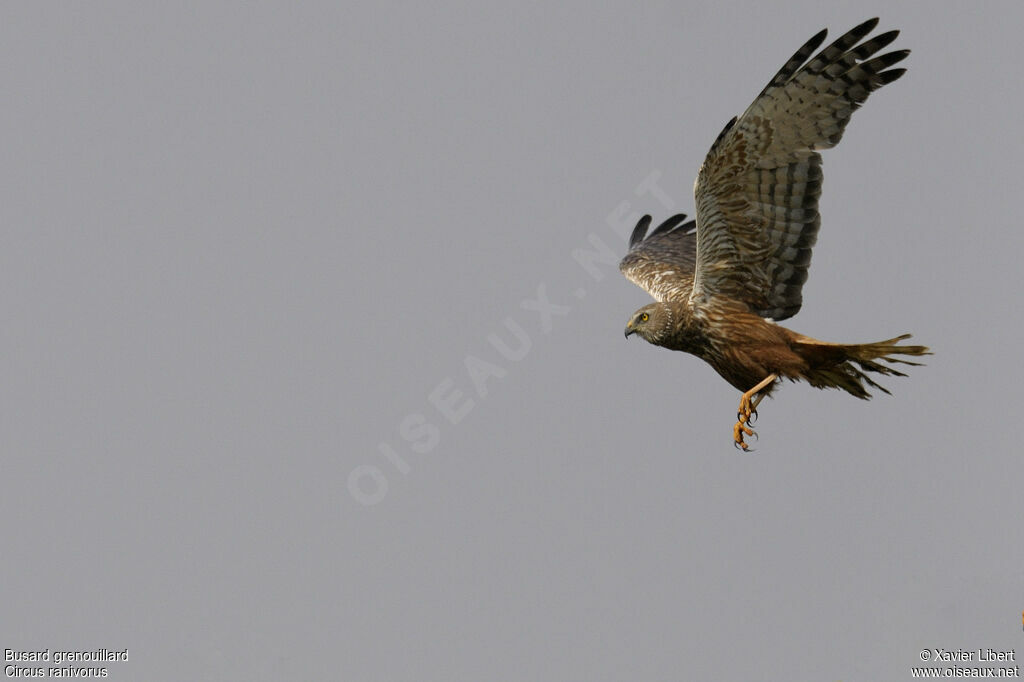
(739,429)
(747,415)
(743,447)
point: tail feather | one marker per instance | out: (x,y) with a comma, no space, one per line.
(833,365)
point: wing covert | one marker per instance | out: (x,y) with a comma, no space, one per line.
(662,262)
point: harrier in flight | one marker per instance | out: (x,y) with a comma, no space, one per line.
(722,287)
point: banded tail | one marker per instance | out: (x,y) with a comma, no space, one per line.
(834,365)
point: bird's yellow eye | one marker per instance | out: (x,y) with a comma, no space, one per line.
(643,317)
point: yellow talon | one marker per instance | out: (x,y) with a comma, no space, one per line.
(737,434)
(748,409)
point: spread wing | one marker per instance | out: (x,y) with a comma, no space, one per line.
(757,191)
(662,262)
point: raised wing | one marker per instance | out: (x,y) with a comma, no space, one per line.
(757,191)
(661,263)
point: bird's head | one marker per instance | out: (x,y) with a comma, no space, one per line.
(652,322)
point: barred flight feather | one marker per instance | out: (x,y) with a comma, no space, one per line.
(757,191)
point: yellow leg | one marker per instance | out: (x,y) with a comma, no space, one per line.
(748,409)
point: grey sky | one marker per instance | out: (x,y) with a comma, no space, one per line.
(244,245)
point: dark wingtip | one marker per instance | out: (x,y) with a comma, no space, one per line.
(889,76)
(727,128)
(639,231)
(867,27)
(669,225)
(883,39)
(816,40)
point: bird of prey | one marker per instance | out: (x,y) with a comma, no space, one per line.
(723,282)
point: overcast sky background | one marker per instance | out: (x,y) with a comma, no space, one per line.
(244,243)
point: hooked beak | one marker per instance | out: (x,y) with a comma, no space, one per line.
(629,329)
